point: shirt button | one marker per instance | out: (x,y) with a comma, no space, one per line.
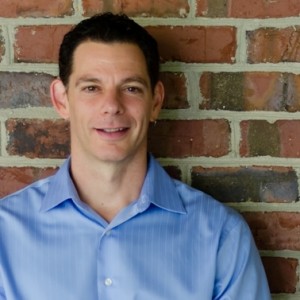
(108,282)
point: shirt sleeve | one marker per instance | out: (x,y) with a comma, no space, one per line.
(2,294)
(240,273)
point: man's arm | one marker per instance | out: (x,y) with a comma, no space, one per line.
(240,273)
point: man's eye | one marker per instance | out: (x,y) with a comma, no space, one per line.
(90,88)
(134,89)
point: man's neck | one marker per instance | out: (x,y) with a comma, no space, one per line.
(108,187)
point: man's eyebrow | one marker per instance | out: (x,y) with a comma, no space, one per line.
(138,79)
(91,79)
(87,79)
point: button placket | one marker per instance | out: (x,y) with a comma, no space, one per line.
(107,280)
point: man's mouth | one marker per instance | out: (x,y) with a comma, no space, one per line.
(113,130)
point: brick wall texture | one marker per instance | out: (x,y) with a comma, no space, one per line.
(231,118)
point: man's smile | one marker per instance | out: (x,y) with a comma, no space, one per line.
(111,130)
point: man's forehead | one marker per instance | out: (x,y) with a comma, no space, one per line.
(94,59)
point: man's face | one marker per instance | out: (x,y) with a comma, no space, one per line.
(109,102)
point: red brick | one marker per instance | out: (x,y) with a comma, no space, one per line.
(255,184)
(196,44)
(187,44)
(24,89)
(206,90)
(38,138)
(190,138)
(41,8)
(263,8)
(13,178)
(46,40)
(279,139)
(289,131)
(202,7)
(175,90)
(275,230)
(281,273)
(146,8)
(273,45)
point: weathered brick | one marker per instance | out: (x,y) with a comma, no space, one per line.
(196,44)
(146,8)
(281,273)
(280,139)
(183,138)
(275,230)
(2,46)
(259,138)
(41,8)
(45,50)
(222,91)
(292,94)
(255,184)
(271,91)
(273,45)
(266,91)
(38,138)
(175,90)
(15,178)
(212,8)
(263,8)
(24,89)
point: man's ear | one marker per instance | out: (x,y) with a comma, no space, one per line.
(158,99)
(59,98)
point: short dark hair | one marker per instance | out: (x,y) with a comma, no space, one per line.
(108,28)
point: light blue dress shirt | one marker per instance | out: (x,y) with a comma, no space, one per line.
(172,243)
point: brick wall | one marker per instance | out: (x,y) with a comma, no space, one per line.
(231,120)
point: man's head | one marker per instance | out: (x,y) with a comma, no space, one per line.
(108,89)
(109,28)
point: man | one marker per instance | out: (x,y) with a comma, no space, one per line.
(111,224)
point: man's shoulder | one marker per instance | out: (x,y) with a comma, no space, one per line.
(205,207)
(30,193)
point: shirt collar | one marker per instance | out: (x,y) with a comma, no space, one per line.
(158,188)
(61,188)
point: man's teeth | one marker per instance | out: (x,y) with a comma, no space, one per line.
(113,129)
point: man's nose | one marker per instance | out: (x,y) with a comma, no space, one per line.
(111,103)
